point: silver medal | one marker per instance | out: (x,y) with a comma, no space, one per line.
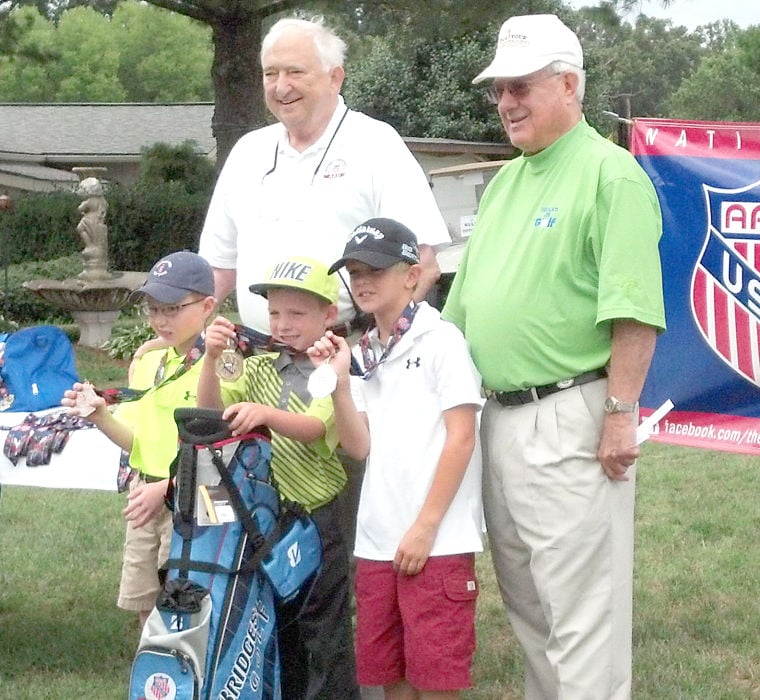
(229,365)
(322,381)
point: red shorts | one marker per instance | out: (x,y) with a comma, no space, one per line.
(419,628)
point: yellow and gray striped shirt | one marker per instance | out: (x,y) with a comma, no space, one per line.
(308,473)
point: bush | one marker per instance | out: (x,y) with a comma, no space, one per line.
(163,213)
(144,222)
(162,163)
(19,305)
(125,340)
(41,226)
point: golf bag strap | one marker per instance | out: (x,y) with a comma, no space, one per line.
(262,545)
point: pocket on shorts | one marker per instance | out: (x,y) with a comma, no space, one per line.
(460,589)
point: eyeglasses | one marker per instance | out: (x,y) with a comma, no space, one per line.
(519,89)
(167,310)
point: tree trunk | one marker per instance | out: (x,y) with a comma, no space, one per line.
(236,73)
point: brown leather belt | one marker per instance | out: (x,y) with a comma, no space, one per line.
(536,393)
(150,479)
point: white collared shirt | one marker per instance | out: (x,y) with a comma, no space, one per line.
(267,208)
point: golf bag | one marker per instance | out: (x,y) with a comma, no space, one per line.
(212,633)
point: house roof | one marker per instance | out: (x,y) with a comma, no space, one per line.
(38,172)
(52,132)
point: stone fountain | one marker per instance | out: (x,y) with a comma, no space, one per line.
(96,296)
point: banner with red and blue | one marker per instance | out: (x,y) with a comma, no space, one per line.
(707,177)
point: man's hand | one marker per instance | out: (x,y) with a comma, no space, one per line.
(617,448)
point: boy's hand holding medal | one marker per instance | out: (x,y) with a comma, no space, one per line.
(82,399)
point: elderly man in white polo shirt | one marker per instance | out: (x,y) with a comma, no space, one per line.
(301,186)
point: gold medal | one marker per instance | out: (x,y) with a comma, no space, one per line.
(229,365)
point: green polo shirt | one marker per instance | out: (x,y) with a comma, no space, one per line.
(152,416)
(564,243)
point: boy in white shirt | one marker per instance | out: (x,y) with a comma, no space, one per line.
(413,413)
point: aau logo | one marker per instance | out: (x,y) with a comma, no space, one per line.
(725,283)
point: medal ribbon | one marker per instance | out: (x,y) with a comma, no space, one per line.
(248,341)
(371,362)
(124,394)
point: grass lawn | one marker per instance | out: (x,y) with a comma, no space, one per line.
(696,608)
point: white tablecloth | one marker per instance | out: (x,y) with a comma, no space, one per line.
(89,461)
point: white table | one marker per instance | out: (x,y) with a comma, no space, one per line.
(88,461)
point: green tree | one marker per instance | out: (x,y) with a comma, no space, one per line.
(140,54)
(164,56)
(726,85)
(633,70)
(88,64)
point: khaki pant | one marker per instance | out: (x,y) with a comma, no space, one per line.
(146,549)
(561,538)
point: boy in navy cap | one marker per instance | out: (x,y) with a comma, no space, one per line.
(412,412)
(178,298)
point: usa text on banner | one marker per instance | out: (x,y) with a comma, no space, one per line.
(707,176)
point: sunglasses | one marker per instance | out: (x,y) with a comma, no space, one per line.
(519,88)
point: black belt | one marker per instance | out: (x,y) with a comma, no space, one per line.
(535,393)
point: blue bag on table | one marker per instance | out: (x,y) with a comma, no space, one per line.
(36,366)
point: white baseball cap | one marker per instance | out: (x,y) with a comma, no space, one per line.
(529,43)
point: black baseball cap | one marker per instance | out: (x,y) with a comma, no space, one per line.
(174,276)
(380,243)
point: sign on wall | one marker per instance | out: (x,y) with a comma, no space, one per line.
(707,177)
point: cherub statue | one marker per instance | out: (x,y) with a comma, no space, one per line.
(92,228)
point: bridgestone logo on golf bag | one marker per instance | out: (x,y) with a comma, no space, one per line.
(212,633)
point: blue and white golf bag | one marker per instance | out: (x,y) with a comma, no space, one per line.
(212,633)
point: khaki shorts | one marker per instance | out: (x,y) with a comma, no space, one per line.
(146,548)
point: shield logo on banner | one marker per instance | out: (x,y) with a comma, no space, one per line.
(725,283)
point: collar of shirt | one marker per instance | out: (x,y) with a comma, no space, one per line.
(318,147)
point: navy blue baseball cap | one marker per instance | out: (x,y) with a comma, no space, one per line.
(174,276)
(380,243)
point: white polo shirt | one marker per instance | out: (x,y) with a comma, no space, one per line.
(426,373)
(271,202)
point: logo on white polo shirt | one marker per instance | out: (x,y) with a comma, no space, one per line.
(335,168)
(416,362)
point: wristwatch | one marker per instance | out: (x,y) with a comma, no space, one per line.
(612,405)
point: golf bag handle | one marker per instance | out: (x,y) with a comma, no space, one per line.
(201,425)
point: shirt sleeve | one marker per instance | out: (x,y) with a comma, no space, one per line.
(218,240)
(457,380)
(143,377)
(323,410)
(628,229)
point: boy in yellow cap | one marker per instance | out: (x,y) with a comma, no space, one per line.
(315,640)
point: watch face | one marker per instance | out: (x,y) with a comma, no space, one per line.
(609,404)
